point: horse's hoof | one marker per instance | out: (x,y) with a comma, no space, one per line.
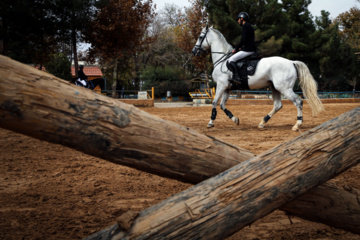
(261,126)
(236,120)
(295,128)
(210,125)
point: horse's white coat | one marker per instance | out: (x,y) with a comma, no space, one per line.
(277,73)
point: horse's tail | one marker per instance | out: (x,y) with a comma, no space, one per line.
(309,87)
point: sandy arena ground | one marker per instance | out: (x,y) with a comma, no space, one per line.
(48,191)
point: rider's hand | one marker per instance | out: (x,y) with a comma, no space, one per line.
(233,51)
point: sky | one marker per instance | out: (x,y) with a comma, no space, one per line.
(335,7)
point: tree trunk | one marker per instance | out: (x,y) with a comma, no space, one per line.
(224,204)
(73,39)
(42,106)
(334,206)
(45,107)
(113,86)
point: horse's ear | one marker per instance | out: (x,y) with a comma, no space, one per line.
(212,26)
(207,27)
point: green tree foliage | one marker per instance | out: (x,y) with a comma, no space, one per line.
(33,30)
(332,60)
(60,66)
(28,30)
(187,33)
(286,28)
(75,19)
(117,31)
(166,79)
(296,35)
(266,16)
(124,42)
(281,28)
(349,23)
(350,27)
(163,57)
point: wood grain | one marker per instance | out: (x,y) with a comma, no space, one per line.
(42,106)
(224,204)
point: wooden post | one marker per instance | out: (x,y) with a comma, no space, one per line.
(224,204)
(42,106)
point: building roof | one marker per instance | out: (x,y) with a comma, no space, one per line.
(93,71)
(38,67)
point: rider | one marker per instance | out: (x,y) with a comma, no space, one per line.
(245,48)
(82,76)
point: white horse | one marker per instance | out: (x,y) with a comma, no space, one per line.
(277,73)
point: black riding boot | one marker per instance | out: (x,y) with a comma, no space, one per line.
(236,76)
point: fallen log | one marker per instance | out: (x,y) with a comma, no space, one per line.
(42,106)
(334,206)
(45,107)
(222,205)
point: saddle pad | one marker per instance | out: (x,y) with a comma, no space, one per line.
(251,66)
(247,67)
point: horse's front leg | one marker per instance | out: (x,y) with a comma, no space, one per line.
(224,99)
(219,92)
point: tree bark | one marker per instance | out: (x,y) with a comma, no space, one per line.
(224,204)
(334,206)
(73,39)
(42,106)
(45,107)
(115,73)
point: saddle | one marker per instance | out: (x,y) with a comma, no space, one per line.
(247,67)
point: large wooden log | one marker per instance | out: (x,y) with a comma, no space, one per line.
(224,204)
(328,204)
(334,206)
(45,107)
(42,106)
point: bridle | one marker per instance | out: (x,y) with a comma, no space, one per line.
(199,50)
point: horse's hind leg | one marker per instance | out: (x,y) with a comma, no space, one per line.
(224,99)
(298,102)
(276,95)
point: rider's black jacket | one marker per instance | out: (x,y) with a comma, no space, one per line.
(247,42)
(82,75)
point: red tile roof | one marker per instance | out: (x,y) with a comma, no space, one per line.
(89,71)
(38,67)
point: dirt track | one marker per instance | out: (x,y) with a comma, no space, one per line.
(48,191)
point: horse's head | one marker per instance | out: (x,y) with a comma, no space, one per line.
(202,44)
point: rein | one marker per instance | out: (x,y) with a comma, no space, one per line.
(222,59)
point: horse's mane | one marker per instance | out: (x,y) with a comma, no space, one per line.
(227,46)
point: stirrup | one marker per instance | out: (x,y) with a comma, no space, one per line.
(236,81)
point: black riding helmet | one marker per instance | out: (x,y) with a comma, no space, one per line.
(243,15)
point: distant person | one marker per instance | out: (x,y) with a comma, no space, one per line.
(118,88)
(82,81)
(81,73)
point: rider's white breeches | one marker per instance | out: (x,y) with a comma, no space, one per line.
(239,55)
